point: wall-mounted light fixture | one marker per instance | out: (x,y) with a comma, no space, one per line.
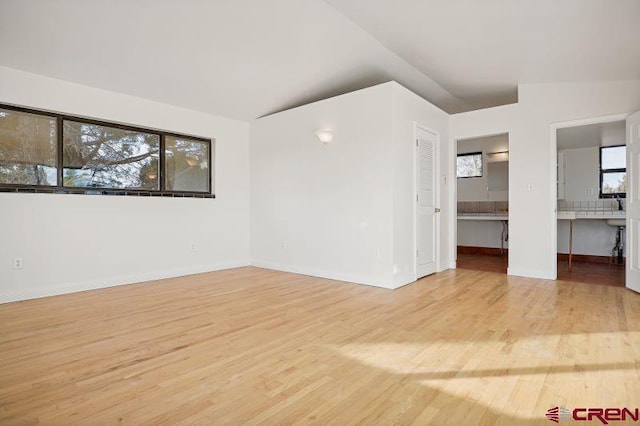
(325,136)
(498,156)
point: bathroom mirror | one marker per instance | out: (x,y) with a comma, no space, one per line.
(498,176)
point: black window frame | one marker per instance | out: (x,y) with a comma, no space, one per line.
(604,171)
(61,189)
(481,154)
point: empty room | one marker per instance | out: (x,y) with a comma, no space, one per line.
(319,212)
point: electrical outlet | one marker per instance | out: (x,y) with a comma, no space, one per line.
(284,245)
(17,263)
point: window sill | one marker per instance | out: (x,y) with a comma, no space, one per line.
(101,191)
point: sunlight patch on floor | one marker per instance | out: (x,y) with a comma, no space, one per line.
(519,377)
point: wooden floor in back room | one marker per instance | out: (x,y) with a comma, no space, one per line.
(581,271)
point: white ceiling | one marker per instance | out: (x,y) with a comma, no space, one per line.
(591,135)
(480,50)
(247,58)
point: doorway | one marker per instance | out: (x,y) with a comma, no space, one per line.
(482,183)
(591,201)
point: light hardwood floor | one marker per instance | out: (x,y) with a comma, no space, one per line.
(252,346)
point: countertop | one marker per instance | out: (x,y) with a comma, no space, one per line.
(562,215)
(591,214)
(484,216)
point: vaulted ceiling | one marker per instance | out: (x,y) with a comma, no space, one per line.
(247,58)
(480,50)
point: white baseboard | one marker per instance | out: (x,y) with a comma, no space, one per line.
(55,290)
(331,275)
(530,273)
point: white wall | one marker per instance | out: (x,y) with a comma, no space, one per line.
(325,210)
(76,242)
(340,211)
(613,134)
(582,174)
(480,233)
(475,189)
(343,210)
(532,185)
(592,237)
(409,110)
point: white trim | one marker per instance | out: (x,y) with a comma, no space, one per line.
(553,152)
(114,282)
(530,273)
(453,204)
(326,274)
(436,161)
(591,120)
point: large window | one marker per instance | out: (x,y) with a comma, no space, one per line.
(44,152)
(613,171)
(469,165)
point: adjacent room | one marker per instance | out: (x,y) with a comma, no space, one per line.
(592,187)
(319,212)
(482,173)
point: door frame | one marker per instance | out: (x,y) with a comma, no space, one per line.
(436,182)
(553,152)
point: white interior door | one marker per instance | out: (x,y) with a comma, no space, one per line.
(426,210)
(633,202)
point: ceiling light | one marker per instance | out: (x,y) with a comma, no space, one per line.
(325,136)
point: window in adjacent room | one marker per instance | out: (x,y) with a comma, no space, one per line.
(469,165)
(613,171)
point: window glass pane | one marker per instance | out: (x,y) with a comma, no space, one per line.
(187,165)
(614,157)
(107,157)
(28,152)
(469,165)
(613,183)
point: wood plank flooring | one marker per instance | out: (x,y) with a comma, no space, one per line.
(253,346)
(483,262)
(583,272)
